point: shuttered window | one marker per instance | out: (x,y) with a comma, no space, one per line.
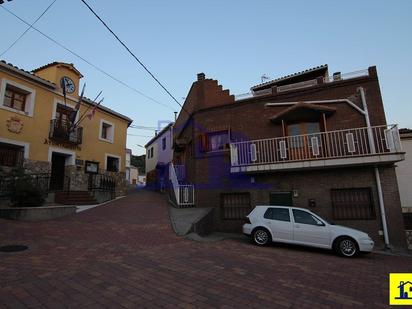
(352,204)
(235,206)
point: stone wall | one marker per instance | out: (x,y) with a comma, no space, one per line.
(409,238)
(36,167)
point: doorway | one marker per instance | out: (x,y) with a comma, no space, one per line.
(281,199)
(57,171)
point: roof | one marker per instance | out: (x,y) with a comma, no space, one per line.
(294,112)
(323,67)
(405,131)
(71,65)
(27,74)
(108,110)
(49,84)
(159,134)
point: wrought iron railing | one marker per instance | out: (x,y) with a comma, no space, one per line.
(64,131)
(102,182)
(323,145)
(184,194)
(11,156)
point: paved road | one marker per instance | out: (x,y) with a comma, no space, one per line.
(124,254)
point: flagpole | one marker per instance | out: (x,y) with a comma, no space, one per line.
(83,115)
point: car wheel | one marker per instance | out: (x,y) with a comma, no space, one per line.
(261,237)
(346,247)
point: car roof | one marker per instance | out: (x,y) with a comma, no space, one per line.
(280,206)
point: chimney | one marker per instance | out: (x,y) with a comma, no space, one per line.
(201,76)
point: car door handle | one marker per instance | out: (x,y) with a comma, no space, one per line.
(297,226)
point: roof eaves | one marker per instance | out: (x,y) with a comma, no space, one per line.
(27,74)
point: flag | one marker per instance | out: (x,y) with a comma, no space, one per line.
(91,113)
(73,113)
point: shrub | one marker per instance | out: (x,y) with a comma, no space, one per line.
(26,194)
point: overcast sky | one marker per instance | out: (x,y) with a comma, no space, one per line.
(234,42)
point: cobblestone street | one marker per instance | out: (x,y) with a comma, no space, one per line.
(125,254)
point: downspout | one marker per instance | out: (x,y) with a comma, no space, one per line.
(377,177)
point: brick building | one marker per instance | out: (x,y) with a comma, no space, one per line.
(308,139)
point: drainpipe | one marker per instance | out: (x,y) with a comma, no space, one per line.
(377,177)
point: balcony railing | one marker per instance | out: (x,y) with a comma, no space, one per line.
(63,131)
(184,194)
(348,143)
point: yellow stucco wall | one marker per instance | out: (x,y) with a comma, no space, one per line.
(36,128)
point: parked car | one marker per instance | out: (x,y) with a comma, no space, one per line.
(301,226)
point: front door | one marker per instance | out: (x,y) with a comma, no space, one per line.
(281,199)
(300,140)
(57,171)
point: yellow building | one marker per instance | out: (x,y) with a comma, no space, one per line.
(37,131)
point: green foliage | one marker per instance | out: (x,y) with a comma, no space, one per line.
(140,163)
(25,193)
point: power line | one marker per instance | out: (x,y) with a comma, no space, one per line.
(88,62)
(131,53)
(27,30)
(138,135)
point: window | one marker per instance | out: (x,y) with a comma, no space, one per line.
(106,131)
(279,214)
(11,155)
(352,204)
(163,143)
(15,98)
(235,206)
(304,217)
(113,164)
(151,152)
(214,141)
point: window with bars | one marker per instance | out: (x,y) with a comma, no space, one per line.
(235,206)
(352,204)
(11,155)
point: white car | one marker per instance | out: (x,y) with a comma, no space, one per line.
(302,227)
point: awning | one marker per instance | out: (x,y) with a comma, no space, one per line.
(303,112)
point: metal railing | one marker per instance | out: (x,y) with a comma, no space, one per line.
(102,182)
(184,194)
(180,172)
(64,132)
(11,156)
(323,145)
(337,76)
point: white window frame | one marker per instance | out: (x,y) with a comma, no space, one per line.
(111,132)
(114,156)
(30,98)
(70,155)
(58,101)
(17,143)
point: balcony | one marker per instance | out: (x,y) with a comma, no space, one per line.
(63,132)
(350,147)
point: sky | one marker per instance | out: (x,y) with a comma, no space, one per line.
(233,41)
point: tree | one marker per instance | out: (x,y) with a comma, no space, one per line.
(140,163)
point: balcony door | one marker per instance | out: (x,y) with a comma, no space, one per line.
(300,139)
(62,124)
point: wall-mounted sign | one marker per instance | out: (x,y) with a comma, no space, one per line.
(61,144)
(91,167)
(79,162)
(15,125)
